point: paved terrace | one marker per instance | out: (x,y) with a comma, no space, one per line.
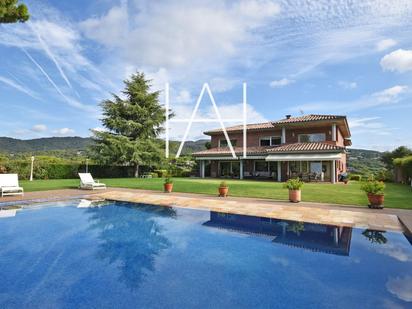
(387,219)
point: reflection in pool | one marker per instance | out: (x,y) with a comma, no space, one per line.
(124,255)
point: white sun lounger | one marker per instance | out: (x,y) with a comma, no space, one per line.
(87,182)
(9,185)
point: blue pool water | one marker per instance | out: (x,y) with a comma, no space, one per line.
(124,255)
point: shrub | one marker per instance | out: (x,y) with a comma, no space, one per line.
(384,175)
(223,184)
(355,177)
(161,173)
(168,180)
(373,187)
(154,175)
(293,184)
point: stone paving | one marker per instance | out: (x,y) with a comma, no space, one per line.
(387,219)
(279,210)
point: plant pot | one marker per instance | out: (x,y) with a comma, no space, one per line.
(295,196)
(168,187)
(346,181)
(376,200)
(223,191)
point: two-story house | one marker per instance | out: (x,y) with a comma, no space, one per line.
(312,147)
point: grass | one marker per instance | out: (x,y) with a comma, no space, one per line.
(397,195)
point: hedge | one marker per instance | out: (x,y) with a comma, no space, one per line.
(43,170)
(405,165)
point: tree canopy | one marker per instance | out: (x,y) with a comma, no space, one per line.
(11,11)
(133,122)
(389,156)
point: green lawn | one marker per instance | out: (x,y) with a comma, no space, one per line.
(397,196)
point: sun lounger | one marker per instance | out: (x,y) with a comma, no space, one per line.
(9,185)
(87,182)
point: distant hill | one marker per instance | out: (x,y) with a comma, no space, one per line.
(12,145)
(74,144)
(359,160)
(364,161)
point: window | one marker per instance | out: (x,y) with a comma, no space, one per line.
(312,138)
(261,166)
(223,143)
(270,141)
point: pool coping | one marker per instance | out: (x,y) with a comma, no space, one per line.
(272,207)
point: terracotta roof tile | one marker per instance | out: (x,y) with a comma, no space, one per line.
(238,151)
(304,147)
(307,118)
(286,148)
(274,124)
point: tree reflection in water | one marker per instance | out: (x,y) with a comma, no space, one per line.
(131,237)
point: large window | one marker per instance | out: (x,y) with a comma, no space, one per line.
(223,143)
(270,141)
(261,166)
(312,138)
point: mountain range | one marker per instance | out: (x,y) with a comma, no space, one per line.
(359,160)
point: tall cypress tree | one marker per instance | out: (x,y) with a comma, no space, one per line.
(133,125)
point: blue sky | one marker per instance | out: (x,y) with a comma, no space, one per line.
(338,57)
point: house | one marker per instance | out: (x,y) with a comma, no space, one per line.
(329,239)
(312,147)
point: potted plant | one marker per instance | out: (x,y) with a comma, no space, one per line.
(294,186)
(375,191)
(168,185)
(223,189)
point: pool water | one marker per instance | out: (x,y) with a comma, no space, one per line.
(122,255)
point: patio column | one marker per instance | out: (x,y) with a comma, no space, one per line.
(202,169)
(333,171)
(241,169)
(279,171)
(283,139)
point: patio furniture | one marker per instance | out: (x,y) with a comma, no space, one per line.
(9,185)
(146,176)
(87,182)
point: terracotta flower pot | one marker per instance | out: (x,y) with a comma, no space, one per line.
(295,196)
(168,187)
(223,191)
(376,200)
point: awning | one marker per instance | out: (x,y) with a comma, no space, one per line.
(304,157)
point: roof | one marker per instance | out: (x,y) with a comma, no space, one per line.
(305,147)
(286,122)
(307,118)
(286,148)
(238,150)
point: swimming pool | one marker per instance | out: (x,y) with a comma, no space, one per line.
(122,255)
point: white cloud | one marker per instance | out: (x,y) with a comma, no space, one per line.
(347,85)
(389,95)
(385,44)
(281,83)
(17,86)
(182,34)
(397,61)
(63,131)
(401,287)
(183,97)
(110,29)
(39,128)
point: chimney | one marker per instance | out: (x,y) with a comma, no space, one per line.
(288,116)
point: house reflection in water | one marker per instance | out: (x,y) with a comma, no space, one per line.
(315,237)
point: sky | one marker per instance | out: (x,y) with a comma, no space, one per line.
(297,57)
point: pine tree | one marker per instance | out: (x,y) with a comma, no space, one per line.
(133,126)
(12,12)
